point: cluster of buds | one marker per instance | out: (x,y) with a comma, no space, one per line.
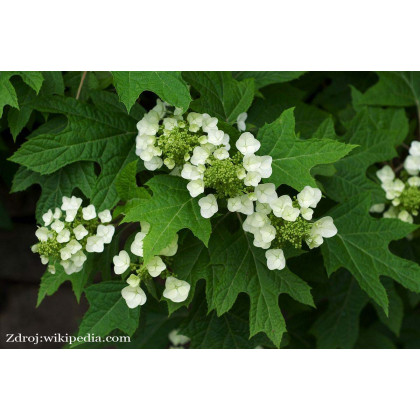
(138,272)
(69,232)
(403,192)
(281,221)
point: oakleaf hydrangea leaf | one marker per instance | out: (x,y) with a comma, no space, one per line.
(361,246)
(104,135)
(293,158)
(169,210)
(378,132)
(239,267)
(220,94)
(61,183)
(264,78)
(8,96)
(338,326)
(108,311)
(168,85)
(394,88)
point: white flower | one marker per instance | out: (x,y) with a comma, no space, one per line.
(234,204)
(247,144)
(195,187)
(57,213)
(252,179)
(290,213)
(133,296)
(265,169)
(121,262)
(391,213)
(241,173)
(80,232)
(414,181)
(240,121)
(70,215)
(171,249)
(95,244)
(176,290)
(105,232)
(309,197)
(257,220)
(74,246)
(208,206)
(137,245)
(133,280)
(146,154)
(57,226)
(377,208)
(247,205)
(415,148)
(160,108)
(199,156)
(266,193)
(105,216)
(412,164)
(65,253)
(42,234)
(275,259)
(149,124)
(195,121)
(268,233)
(155,266)
(263,208)
(215,137)
(72,203)
(48,217)
(306,213)
(393,189)
(51,269)
(324,227)
(279,204)
(190,172)
(63,236)
(144,142)
(89,212)
(208,123)
(314,240)
(153,164)
(396,202)
(79,258)
(251,162)
(221,153)
(44,259)
(178,339)
(385,174)
(170,123)
(226,142)
(405,216)
(34,248)
(70,267)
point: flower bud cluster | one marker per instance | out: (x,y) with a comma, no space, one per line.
(175,290)
(403,193)
(69,232)
(281,221)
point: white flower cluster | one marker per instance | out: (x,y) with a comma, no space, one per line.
(69,231)
(175,290)
(269,222)
(403,193)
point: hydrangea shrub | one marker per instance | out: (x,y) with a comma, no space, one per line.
(224,209)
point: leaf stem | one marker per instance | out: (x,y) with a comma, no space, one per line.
(82,80)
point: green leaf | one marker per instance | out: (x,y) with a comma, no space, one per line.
(229,331)
(221,95)
(294,158)
(394,88)
(100,134)
(378,132)
(51,282)
(239,267)
(264,78)
(79,175)
(169,210)
(338,326)
(126,184)
(361,246)
(108,311)
(168,85)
